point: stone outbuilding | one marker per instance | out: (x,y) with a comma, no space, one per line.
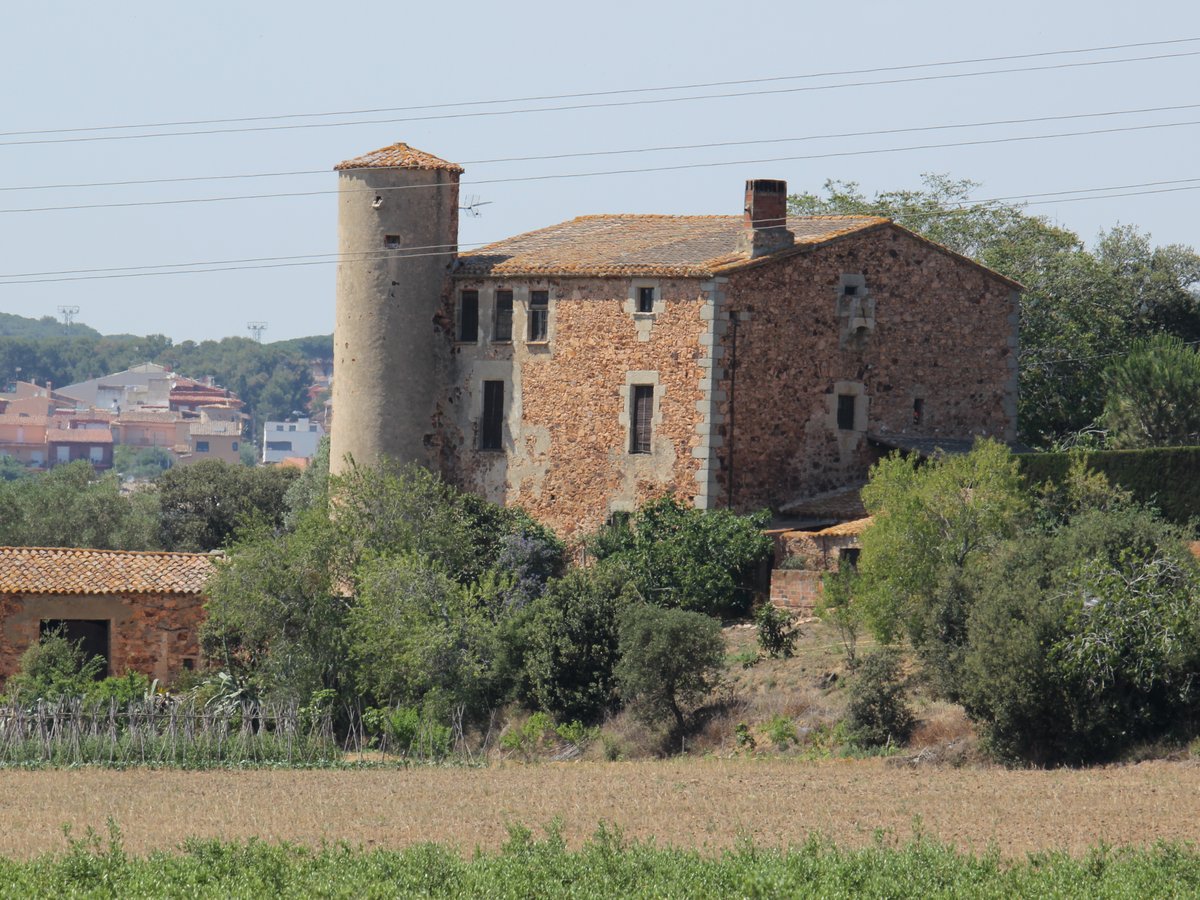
(744,361)
(140,611)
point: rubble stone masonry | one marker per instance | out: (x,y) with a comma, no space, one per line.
(155,634)
(898,325)
(566,445)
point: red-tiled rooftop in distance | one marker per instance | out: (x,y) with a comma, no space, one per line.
(62,570)
(79,436)
(398,156)
(622,245)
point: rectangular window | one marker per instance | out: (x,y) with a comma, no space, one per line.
(201,446)
(468,317)
(850,290)
(918,411)
(645,300)
(845,412)
(503,325)
(641,418)
(235,445)
(539,315)
(279,446)
(96,454)
(391,242)
(491,429)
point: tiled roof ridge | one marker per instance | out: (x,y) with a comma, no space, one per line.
(206,555)
(398,156)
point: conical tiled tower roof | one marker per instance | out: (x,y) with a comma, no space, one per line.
(398,156)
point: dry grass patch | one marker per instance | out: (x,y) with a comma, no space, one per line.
(705,803)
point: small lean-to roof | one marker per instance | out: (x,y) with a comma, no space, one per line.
(66,570)
(398,156)
(630,245)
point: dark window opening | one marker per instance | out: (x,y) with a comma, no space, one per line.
(491,430)
(845,412)
(279,445)
(188,664)
(642,409)
(391,242)
(849,289)
(848,558)
(92,636)
(645,299)
(201,446)
(504,307)
(918,411)
(619,519)
(468,317)
(539,315)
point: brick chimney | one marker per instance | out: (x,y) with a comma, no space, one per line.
(764,228)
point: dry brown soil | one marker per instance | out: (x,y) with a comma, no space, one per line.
(702,803)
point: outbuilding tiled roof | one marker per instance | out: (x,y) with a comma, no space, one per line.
(398,156)
(60,570)
(680,246)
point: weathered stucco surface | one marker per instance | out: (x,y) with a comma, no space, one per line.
(925,325)
(149,633)
(566,455)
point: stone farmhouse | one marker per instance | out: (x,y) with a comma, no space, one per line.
(743,361)
(140,611)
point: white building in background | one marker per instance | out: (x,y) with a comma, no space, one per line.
(290,440)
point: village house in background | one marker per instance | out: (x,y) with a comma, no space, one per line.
(140,611)
(748,361)
(142,407)
(295,439)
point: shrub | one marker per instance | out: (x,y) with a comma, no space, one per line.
(52,669)
(782,731)
(572,643)
(839,606)
(689,558)
(409,731)
(777,632)
(670,660)
(878,711)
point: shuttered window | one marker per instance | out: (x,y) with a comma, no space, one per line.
(642,414)
(539,315)
(491,429)
(503,328)
(468,317)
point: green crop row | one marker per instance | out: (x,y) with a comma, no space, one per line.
(606,866)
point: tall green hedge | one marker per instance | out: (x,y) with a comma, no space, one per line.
(1166,477)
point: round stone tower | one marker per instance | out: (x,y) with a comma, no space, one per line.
(397,239)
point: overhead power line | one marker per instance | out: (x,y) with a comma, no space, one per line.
(427,250)
(632,150)
(610,93)
(630,171)
(602,105)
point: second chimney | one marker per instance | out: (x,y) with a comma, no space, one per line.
(764,228)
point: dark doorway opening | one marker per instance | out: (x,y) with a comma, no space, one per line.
(92,635)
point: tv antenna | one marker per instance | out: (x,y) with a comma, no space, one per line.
(256,329)
(68,314)
(473,204)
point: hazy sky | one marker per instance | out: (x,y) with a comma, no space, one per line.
(73,65)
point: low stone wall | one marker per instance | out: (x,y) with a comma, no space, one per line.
(795,589)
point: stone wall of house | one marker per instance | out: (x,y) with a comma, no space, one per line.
(566,439)
(154,634)
(881,316)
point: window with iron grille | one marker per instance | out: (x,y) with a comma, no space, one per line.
(641,408)
(645,299)
(845,412)
(539,315)
(503,325)
(468,317)
(491,429)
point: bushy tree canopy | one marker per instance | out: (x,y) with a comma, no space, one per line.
(1151,395)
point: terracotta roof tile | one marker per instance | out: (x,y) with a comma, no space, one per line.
(398,156)
(618,245)
(60,570)
(149,415)
(79,436)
